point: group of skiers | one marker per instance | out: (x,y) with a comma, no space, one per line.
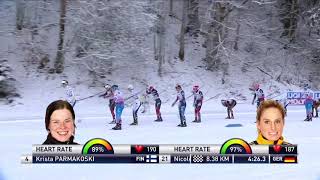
(117,102)
(311,106)
(197,103)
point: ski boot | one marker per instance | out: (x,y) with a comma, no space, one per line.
(232,117)
(117,127)
(184,124)
(159,119)
(228,117)
(196,121)
(135,122)
(113,121)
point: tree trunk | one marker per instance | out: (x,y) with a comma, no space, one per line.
(182,30)
(20,8)
(293,20)
(289,17)
(216,34)
(60,54)
(161,44)
(235,47)
(193,21)
(160,35)
(171,8)
(155,48)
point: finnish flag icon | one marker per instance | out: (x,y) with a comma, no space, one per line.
(151,158)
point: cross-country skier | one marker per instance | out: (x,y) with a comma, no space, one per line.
(119,101)
(144,102)
(258,94)
(197,103)
(154,92)
(308,103)
(136,104)
(181,106)
(316,104)
(70,96)
(229,104)
(284,103)
(109,94)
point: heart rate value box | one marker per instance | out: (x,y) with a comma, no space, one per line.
(283,149)
(144,149)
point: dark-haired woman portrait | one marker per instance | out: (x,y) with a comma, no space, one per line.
(60,123)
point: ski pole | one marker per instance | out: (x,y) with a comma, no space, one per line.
(275,96)
(212,97)
(137,93)
(89,96)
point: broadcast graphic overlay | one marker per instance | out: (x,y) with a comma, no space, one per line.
(97,150)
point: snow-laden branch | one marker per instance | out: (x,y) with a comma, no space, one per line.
(264,2)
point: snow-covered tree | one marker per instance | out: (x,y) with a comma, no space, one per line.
(183,29)
(60,54)
(106,33)
(7,88)
(160,32)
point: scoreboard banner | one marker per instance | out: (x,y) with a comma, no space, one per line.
(101,151)
(298,97)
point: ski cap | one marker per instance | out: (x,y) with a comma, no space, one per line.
(309,96)
(107,86)
(114,87)
(178,86)
(64,82)
(130,87)
(256,86)
(150,88)
(195,88)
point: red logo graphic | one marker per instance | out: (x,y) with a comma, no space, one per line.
(139,148)
(277,148)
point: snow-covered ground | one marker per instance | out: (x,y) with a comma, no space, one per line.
(18,133)
(22,122)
